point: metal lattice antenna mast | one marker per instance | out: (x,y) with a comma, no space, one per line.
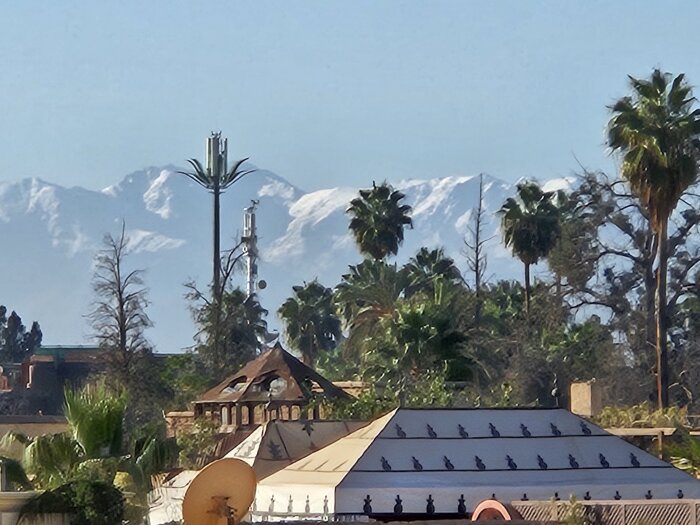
(250,247)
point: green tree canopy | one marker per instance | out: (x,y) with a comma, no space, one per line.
(365,295)
(92,451)
(378,220)
(427,266)
(311,323)
(241,327)
(16,343)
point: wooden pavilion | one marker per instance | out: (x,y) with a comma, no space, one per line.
(274,386)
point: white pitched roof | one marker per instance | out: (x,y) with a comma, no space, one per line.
(277,444)
(443,453)
(269,448)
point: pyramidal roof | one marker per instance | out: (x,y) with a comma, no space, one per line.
(411,455)
(273,446)
(274,375)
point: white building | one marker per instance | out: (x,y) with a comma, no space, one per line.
(444,462)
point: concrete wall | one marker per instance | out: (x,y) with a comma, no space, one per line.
(586,399)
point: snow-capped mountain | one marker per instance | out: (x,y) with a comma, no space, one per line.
(49,236)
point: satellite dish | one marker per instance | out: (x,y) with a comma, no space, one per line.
(262,284)
(220,494)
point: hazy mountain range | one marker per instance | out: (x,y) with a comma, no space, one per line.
(49,235)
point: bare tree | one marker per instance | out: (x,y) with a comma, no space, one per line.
(230,324)
(118,316)
(474,250)
(228,264)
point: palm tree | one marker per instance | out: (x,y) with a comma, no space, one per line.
(422,333)
(530,227)
(311,323)
(92,449)
(424,268)
(657,133)
(378,220)
(365,296)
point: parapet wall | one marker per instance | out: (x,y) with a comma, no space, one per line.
(630,512)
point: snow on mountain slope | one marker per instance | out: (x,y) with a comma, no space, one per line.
(50,234)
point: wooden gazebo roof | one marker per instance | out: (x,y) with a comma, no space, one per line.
(275,375)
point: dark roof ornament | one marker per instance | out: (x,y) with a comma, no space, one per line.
(399,431)
(307,426)
(680,494)
(462,432)
(555,430)
(603,462)
(275,450)
(587,496)
(431,432)
(448,463)
(648,495)
(617,495)
(461,506)
(367,507)
(416,463)
(525,498)
(494,432)
(573,462)
(585,429)
(512,465)
(541,462)
(479,464)
(430,507)
(398,507)
(634,460)
(524,430)
(385,464)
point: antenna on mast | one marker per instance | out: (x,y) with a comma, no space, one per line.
(249,241)
(250,249)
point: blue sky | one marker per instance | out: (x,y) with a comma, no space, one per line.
(326,92)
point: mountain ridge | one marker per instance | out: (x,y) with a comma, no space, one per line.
(53,232)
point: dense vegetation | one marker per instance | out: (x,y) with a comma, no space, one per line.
(620,300)
(82,471)
(620,304)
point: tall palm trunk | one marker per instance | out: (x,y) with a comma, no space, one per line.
(650,306)
(661,320)
(527,288)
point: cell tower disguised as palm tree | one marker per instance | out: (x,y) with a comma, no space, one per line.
(216,178)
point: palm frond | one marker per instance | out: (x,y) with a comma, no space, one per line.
(15,474)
